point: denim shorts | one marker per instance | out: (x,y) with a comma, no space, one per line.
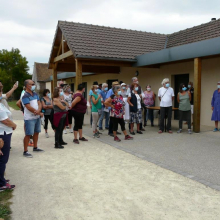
(32,126)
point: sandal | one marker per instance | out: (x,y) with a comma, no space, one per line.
(7,186)
(83,139)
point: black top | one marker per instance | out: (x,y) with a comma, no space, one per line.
(192,95)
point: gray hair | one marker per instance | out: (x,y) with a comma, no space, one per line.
(165,80)
(115,89)
(104,84)
(134,78)
(26,82)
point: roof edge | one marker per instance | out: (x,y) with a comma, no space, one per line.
(106,58)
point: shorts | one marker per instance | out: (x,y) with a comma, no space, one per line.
(192,107)
(32,126)
(136,117)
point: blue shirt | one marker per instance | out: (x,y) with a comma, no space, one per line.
(110,92)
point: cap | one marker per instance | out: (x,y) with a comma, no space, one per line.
(123,84)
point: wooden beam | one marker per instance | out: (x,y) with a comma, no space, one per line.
(51,86)
(62,56)
(197,94)
(54,76)
(78,79)
(106,63)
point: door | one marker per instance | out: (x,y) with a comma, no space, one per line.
(72,87)
(110,81)
(183,78)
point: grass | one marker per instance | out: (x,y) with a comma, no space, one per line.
(5,210)
(13,105)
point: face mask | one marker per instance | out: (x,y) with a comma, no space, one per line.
(137,82)
(61,93)
(69,90)
(123,87)
(184,88)
(33,88)
(136,88)
(1,98)
(218,86)
(189,86)
(48,95)
(106,89)
(119,92)
(148,89)
(167,85)
(96,90)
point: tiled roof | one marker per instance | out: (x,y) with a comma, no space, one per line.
(107,42)
(198,33)
(42,71)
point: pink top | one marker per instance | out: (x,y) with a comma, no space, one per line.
(149,98)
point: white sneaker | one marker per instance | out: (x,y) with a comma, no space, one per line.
(64,131)
(46,135)
(71,130)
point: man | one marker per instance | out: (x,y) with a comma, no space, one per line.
(32,112)
(105,111)
(110,92)
(166,97)
(7,95)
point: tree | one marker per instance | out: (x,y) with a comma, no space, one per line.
(13,67)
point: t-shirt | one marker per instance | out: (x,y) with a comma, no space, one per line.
(4,114)
(81,106)
(166,96)
(96,107)
(31,99)
(4,101)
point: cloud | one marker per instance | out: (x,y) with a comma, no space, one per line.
(30,25)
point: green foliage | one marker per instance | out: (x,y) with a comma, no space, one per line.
(13,67)
(5,210)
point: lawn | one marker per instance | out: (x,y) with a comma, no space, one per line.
(5,210)
(13,105)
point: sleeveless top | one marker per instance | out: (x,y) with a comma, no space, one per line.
(58,109)
(98,105)
(148,99)
(184,104)
(47,111)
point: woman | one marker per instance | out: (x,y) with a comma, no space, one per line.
(79,106)
(96,110)
(134,100)
(149,99)
(125,98)
(6,128)
(47,109)
(60,117)
(117,104)
(216,107)
(184,98)
(68,98)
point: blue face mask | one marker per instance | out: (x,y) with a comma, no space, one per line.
(124,87)
(119,92)
(106,89)
(61,93)
(218,86)
(96,90)
(33,88)
(167,85)
(136,88)
(189,86)
(184,88)
(48,95)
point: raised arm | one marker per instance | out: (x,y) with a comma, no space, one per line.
(9,93)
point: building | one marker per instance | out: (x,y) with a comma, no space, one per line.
(116,54)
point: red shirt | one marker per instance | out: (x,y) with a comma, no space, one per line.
(81,106)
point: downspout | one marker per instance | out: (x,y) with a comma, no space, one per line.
(165,45)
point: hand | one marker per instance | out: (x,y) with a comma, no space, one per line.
(37,112)
(1,152)
(99,96)
(15,126)
(212,108)
(41,114)
(1,143)
(15,86)
(112,106)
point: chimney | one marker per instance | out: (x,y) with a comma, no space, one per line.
(213,19)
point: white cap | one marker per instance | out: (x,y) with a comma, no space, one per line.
(123,84)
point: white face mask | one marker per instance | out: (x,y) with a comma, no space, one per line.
(148,89)
(218,86)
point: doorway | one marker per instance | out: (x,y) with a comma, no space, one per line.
(178,79)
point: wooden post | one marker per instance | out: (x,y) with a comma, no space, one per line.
(197,94)
(54,76)
(78,79)
(51,86)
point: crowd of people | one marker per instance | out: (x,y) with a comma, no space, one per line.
(121,104)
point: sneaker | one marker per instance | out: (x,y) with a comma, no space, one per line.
(96,135)
(139,132)
(46,135)
(27,154)
(38,150)
(75,141)
(63,143)
(179,131)
(64,131)
(83,139)
(132,133)
(216,129)
(127,137)
(160,132)
(70,130)
(189,131)
(170,132)
(116,139)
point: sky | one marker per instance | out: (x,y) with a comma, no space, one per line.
(30,25)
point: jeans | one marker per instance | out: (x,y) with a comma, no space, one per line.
(165,112)
(59,130)
(4,158)
(32,126)
(110,128)
(106,115)
(149,114)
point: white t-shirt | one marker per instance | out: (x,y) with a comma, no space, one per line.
(166,96)
(4,114)
(4,101)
